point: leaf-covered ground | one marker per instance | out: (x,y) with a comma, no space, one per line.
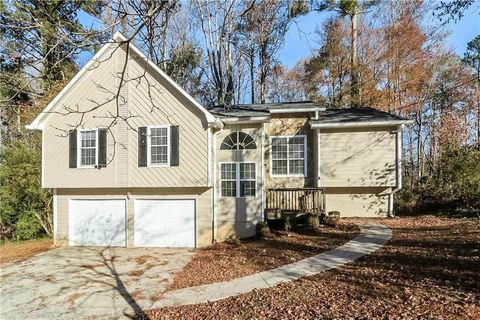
(17,251)
(229,261)
(429,270)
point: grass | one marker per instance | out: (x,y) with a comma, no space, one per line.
(14,251)
(428,270)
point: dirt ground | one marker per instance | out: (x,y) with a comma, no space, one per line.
(229,261)
(430,269)
(18,251)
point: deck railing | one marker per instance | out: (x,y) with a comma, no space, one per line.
(296,200)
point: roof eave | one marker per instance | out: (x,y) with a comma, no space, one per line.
(316,125)
(296,110)
(241,120)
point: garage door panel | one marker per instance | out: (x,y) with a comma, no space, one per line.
(164,223)
(97,222)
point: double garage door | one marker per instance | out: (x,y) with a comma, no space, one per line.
(156,223)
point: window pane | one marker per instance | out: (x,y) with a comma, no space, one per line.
(228,171)
(247,171)
(296,148)
(247,188)
(279,148)
(296,166)
(88,144)
(159,136)
(87,157)
(158,145)
(88,139)
(279,166)
(158,155)
(229,188)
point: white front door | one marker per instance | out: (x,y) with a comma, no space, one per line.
(99,222)
(164,223)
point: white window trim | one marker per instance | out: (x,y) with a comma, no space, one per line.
(237,178)
(237,145)
(79,149)
(149,151)
(305,154)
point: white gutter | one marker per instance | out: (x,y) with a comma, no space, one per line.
(286,110)
(243,120)
(55,216)
(398,171)
(315,125)
(214,182)
(263,173)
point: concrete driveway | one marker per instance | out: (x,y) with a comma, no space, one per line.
(87,283)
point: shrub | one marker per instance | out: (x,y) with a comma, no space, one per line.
(262,230)
(313,221)
(332,219)
(233,240)
(454,187)
(28,227)
(24,203)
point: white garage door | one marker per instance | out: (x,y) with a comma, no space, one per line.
(164,223)
(97,223)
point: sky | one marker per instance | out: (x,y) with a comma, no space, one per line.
(301,38)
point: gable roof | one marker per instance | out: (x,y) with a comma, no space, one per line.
(355,117)
(39,121)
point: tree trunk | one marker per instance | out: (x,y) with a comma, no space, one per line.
(252,73)
(355,103)
(419,146)
(263,73)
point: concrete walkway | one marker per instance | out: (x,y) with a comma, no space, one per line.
(371,238)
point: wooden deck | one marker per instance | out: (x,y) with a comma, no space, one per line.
(288,202)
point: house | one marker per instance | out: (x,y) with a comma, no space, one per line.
(133,160)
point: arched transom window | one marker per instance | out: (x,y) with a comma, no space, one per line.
(238,141)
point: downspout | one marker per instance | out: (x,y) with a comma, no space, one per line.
(398,172)
(264,190)
(217,125)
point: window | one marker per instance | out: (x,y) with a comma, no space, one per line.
(229,179)
(158,146)
(238,179)
(247,179)
(88,148)
(288,156)
(238,141)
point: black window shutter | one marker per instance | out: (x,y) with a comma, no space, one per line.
(174,152)
(73,148)
(142,146)
(102,147)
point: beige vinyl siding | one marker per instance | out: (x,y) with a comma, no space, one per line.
(239,215)
(86,96)
(358,202)
(357,157)
(202,196)
(145,100)
(154,102)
